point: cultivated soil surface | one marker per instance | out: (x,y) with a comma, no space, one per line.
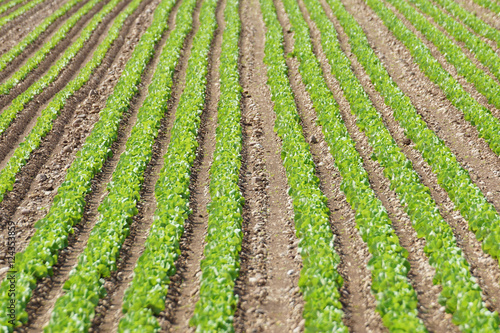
(270,299)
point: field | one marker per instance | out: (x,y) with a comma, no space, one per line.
(250,165)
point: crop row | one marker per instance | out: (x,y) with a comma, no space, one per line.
(452,52)
(44,122)
(490,4)
(145,296)
(456,181)
(474,22)
(487,125)
(37,260)
(38,57)
(319,279)
(460,294)
(9,5)
(221,263)
(482,51)
(85,285)
(17,105)
(36,88)
(481,215)
(396,298)
(6,19)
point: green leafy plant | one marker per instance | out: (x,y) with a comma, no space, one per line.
(37,260)
(461,295)
(319,279)
(220,267)
(145,297)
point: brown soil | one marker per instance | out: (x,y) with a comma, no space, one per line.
(50,289)
(56,52)
(52,143)
(269,296)
(30,20)
(359,303)
(490,42)
(184,292)
(462,46)
(421,272)
(431,103)
(488,271)
(31,197)
(270,300)
(468,87)
(484,14)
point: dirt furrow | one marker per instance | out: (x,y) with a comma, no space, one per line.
(359,303)
(56,52)
(462,46)
(184,289)
(421,273)
(490,42)
(270,299)
(26,119)
(489,270)
(50,289)
(32,195)
(468,87)
(110,307)
(11,36)
(13,8)
(431,103)
(484,14)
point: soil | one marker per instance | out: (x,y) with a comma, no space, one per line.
(267,287)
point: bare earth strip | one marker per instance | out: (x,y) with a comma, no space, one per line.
(11,37)
(270,299)
(184,293)
(359,303)
(421,273)
(462,46)
(50,289)
(483,267)
(484,14)
(30,50)
(468,87)
(30,200)
(31,197)
(25,121)
(56,52)
(490,42)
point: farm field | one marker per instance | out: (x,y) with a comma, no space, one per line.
(249,165)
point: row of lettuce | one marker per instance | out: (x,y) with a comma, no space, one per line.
(482,51)
(471,20)
(41,254)
(18,104)
(481,215)
(33,62)
(85,285)
(319,280)
(490,4)
(19,11)
(10,55)
(220,266)
(455,56)
(49,114)
(145,296)
(460,294)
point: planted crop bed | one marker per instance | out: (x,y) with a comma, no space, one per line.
(249,166)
